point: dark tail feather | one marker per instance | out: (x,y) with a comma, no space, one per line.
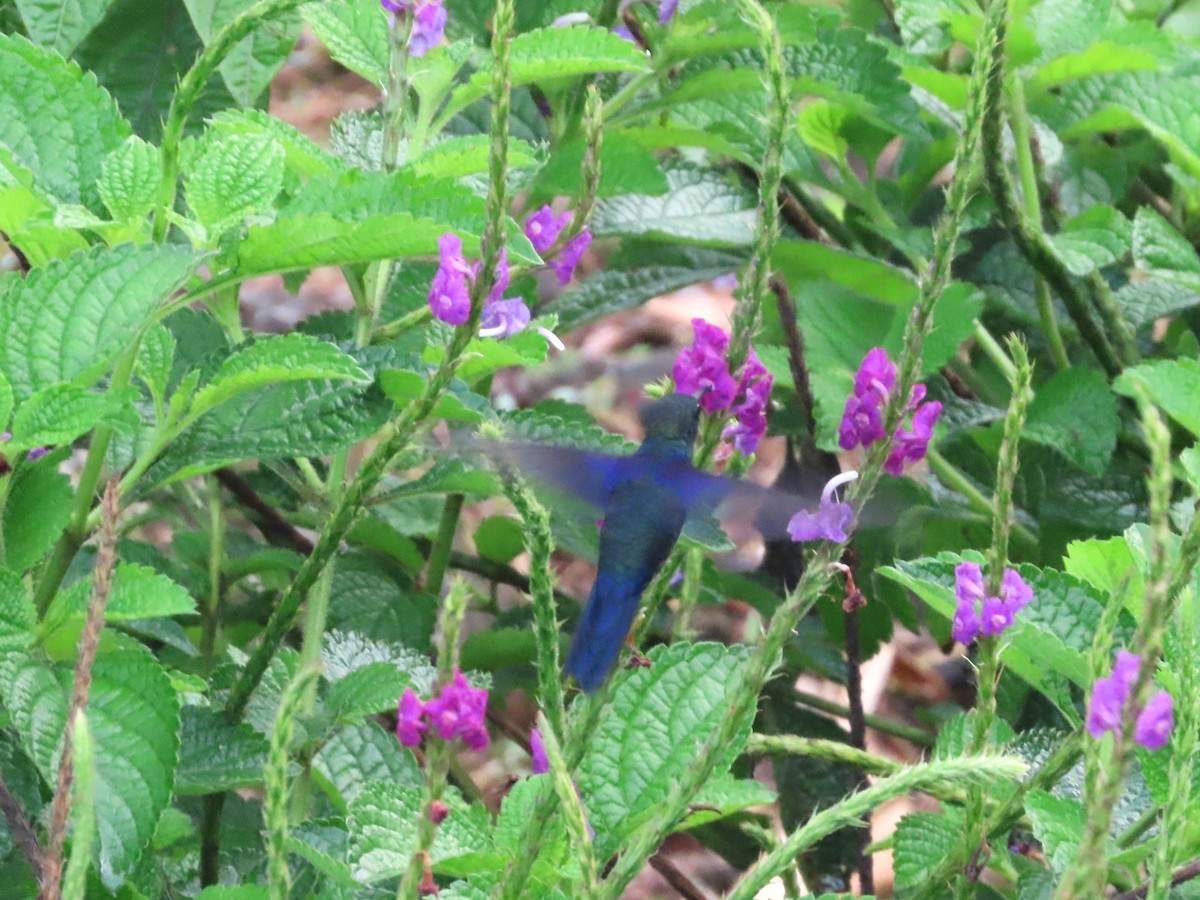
(603,627)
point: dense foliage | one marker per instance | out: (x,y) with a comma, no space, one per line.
(232,589)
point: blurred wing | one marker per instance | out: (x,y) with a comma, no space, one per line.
(585,473)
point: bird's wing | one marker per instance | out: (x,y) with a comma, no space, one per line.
(586,474)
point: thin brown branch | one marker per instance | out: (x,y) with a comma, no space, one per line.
(21,831)
(1182,874)
(106,560)
(668,870)
(857,718)
(270,522)
(794,339)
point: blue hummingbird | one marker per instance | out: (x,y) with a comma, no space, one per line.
(645,498)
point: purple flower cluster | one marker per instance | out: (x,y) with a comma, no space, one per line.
(1109,695)
(459,711)
(862,419)
(543,228)
(978,614)
(831,521)
(428,22)
(703,370)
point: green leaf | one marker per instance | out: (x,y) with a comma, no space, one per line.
(1097,238)
(369,689)
(62,412)
(233,177)
(923,24)
(612,290)
(134,717)
(1075,413)
(725,795)
(649,734)
(215,755)
(57,122)
(701,206)
(1161,250)
(6,401)
(1172,384)
(138,592)
(458,404)
(383,830)
(924,841)
(356,33)
(626,167)
(468,154)
(156,356)
(866,275)
(274,360)
(1059,824)
(553,55)
(18,616)
(61,24)
(69,320)
(303,156)
(372,603)
(250,65)
(35,513)
(129,179)
(357,755)
(1145,301)
(500,538)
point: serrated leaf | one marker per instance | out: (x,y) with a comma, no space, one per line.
(57,122)
(468,154)
(1145,301)
(860,273)
(382,821)
(369,689)
(18,616)
(357,755)
(274,360)
(554,54)
(1161,250)
(924,841)
(233,177)
(62,412)
(322,844)
(248,67)
(1058,823)
(215,755)
(923,24)
(134,717)
(303,156)
(610,290)
(129,179)
(701,206)
(1097,238)
(1075,413)
(372,602)
(61,24)
(356,33)
(457,404)
(35,513)
(138,592)
(649,734)
(156,356)
(1172,384)
(69,320)
(626,167)
(726,795)
(6,401)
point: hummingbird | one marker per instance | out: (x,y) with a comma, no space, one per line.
(645,500)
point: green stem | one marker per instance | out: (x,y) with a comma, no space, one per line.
(689,594)
(216,553)
(992,348)
(885,726)
(189,91)
(978,501)
(439,552)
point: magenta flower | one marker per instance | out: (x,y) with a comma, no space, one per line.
(569,256)
(459,712)
(911,446)
(1155,721)
(831,521)
(544,227)
(751,414)
(450,292)
(976,613)
(410,724)
(429,22)
(701,369)
(1109,695)
(862,418)
(537,749)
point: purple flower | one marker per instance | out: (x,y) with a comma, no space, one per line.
(623,32)
(977,614)
(666,10)
(429,22)
(409,725)
(831,521)
(450,292)
(727,282)
(862,423)
(544,227)
(1110,694)
(36,453)
(500,282)
(751,413)
(459,712)
(569,256)
(504,318)
(537,749)
(876,375)
(911,446)
(1155,721)
(701,369)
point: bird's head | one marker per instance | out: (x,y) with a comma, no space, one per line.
(675,417)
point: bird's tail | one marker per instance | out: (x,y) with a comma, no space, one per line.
(607,617)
